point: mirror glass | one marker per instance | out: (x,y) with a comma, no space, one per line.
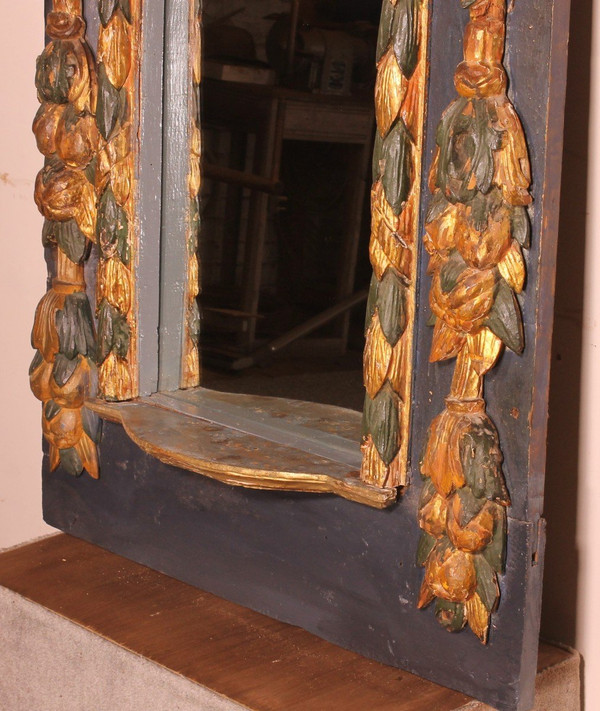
(288,127)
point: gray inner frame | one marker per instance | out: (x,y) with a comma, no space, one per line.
(175,197)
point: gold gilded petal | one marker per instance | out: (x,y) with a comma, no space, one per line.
(374,470)
(86,212)
(478,617)
(512,170)
(378,355)
(121,179)
(451,575)
(512,268)
(426,596)
(441,461)
(446,342)
(191,366)
(39,381)
(114,284)
(484,349)
(115,379)
(433,516)
(45,126)
(399,369)
(89,456)
(411,104)
(196,50)
(44,336)
(390,90)
(477,533)
(193,275)
(114,49)
(379,259)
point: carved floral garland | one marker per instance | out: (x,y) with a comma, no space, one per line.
(63,372)
(115,190)
(399,108)
(476,228)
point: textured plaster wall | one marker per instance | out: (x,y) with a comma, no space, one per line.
(573,501)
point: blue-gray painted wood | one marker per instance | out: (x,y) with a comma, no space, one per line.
(149,193)
(175,195)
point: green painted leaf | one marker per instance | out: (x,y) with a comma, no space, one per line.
(48,233)
(482,206)
(90,170)
(436,207)
(427,492)
(426,545)
(391,305)
(106,9)
(386,27)
(74,324)
(482,462)
(382,418)
(495,553)
(451,271)
(38,359)
(64,368)
(71,240)
(113,332)
(505,318)
(470,504)
(521,227)
(488,140)
(398,170)
(451,615)
(126,7)
(51,410)
(109,106)
(406,35)
(377,154)
(52,73)
(92,424)
(112,227)
(432,320)
(71,462)
(487,583)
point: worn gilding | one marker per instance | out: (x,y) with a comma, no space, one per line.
(399,109)
(476,229)
(115,230)
(63,372)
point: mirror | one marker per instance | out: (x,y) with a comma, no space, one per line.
(287,134)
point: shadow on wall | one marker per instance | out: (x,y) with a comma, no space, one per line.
(560,577)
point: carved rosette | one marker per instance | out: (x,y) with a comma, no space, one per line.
(399,109)
(115,296)
(63,372)
(190,367)
(476,228)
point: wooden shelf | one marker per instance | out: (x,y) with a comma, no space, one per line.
(312,448)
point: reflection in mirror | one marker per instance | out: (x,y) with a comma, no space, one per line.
(287,131)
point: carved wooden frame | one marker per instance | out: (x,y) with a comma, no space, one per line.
(476,229)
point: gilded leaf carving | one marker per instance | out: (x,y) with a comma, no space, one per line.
(399,111)
(475,231)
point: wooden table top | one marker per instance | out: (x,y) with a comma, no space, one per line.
(252,659)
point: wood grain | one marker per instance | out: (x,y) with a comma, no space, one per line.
(250,658)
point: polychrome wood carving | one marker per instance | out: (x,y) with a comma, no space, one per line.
(63,372)
(395,196)
(190,367)
(115,190)
(476,228)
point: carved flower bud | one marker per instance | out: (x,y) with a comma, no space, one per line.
(45,127)
(76,139)
(39,381)
(484,249)
(62,25)
(58,192)
(65,429)
(450,574)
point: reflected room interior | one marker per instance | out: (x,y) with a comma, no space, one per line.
(287,130)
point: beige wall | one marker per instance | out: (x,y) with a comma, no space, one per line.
(23,272)
(572,582)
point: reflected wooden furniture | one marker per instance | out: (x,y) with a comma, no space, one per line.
(273,115)
(229,656)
